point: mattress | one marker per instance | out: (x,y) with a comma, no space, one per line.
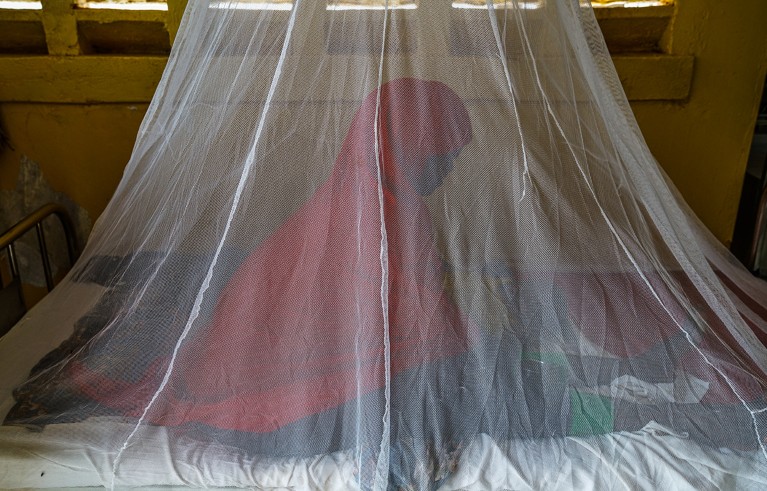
(650,459)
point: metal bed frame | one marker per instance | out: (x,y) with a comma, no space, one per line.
(12,304)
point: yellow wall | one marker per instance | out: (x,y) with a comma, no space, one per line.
(702,142)
(81,149)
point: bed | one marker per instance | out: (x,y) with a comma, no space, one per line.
(71,455)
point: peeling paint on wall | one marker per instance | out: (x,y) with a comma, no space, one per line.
(31,192)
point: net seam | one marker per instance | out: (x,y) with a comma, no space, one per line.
(382,462)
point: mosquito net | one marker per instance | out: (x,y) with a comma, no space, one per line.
(393,244)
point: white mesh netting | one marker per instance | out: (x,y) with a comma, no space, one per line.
(476,277)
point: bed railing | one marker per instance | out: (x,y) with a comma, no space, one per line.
(11,298)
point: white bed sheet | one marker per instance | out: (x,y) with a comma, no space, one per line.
(650,459)
(71,455)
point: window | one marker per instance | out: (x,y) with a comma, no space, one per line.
(122,4)
(630,3)
(20,5)
(498,4)
(84,27)
(371,4)
(252,4)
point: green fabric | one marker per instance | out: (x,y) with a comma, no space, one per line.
(590,414)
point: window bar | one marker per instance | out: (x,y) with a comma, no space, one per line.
(44,255)
(13,261)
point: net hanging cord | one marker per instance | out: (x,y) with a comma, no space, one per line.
(631,257)
(248,165)
(510,84)
(381,478)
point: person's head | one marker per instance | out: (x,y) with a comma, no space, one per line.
(422,126)
(426,126)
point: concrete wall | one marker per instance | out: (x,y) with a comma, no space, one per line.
(81,149)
